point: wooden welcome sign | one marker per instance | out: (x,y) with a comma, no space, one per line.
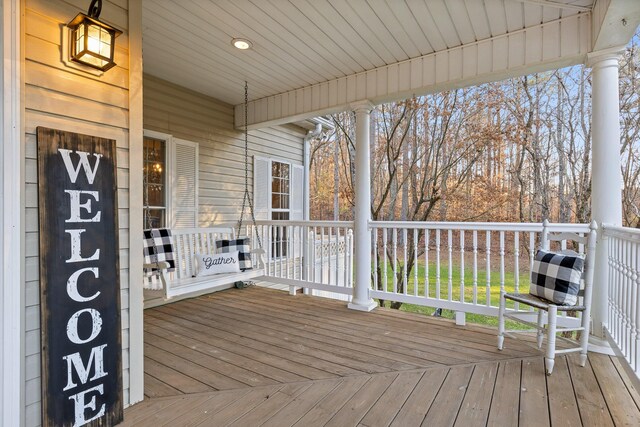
(79,281)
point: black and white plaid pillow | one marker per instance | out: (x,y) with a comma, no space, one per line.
(158,248)
(556,277)
(242,246)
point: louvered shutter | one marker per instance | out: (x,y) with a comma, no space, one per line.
(261,187)
(184,184)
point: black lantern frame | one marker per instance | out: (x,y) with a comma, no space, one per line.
(92,42)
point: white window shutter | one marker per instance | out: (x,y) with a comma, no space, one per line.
(184,184)
(297,193)
(261,187)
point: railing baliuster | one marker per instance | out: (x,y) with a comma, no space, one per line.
(623,323)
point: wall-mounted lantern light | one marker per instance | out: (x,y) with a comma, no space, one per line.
(92,42)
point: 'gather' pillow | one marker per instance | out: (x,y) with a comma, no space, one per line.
(242,246)
(217,264)
(556,277)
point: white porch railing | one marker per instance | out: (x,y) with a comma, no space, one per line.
(623,323)
(314,255)
(456,266)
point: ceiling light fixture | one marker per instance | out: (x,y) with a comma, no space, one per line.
(242,44)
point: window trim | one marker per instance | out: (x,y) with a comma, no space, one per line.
(271,209)
(168,211)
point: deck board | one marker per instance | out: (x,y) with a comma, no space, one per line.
(534,402)
(261,357)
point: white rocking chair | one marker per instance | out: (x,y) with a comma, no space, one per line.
(583,305)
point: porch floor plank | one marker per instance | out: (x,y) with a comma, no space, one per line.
(477,400)
(415,408)
(622,407)
(469,342)
(445,407)
(389,404)
(392,356)
(324,410)
(591,404)
(534,404)
(563,407)
(297,408)
(261,357)
(361,402)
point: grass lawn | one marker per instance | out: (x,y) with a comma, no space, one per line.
(492,290)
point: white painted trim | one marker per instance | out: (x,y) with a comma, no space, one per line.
(555,4)
(547,46)
(168,154)
(136,297)
(12,311)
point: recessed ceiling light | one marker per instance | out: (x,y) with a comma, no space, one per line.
(242,44)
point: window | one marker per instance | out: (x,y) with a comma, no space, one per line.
(280,206)
(170,181)
(154,182)
(278,195)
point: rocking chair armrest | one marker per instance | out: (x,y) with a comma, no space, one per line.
(162,265)
(259,253)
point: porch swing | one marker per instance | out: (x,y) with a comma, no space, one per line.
(171,255)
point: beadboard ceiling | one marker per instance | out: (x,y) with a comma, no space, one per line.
(298,43)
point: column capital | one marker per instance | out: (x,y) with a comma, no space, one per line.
(594,58)
(364,106)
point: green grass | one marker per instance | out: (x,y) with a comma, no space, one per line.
(481,281)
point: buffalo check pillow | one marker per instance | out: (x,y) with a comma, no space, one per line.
(242,246)
(556,277)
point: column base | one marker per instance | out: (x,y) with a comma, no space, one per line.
(600,345)
(366,306)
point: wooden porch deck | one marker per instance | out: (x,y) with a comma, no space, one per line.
(261,357)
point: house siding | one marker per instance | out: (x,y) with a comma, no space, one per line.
(189,115)
(65,98)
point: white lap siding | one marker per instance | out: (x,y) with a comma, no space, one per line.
(64,98)
(186,114)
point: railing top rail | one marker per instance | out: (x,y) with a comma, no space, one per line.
(306,223)
(480,226)
(442,225)
(625,233)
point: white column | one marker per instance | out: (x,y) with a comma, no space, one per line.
(361,300)
(606,180)
(12,311)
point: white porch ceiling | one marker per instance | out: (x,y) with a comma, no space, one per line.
(304,44)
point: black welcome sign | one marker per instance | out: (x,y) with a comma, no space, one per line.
(79,281)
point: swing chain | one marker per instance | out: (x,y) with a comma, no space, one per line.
(247,198)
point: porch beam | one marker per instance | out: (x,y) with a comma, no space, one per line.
(606,179)
(614,22)
(362,235)
(552,45)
